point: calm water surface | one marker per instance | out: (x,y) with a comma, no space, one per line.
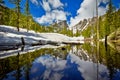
(71,62)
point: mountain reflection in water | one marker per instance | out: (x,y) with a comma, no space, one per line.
(79,62)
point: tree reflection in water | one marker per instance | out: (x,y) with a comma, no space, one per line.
(112,57)
(76,62)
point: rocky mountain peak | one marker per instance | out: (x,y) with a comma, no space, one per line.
(83,24)
(61,24)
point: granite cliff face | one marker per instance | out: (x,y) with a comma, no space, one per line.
(83,24)
(60,24)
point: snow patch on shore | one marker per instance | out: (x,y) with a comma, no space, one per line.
(10,35)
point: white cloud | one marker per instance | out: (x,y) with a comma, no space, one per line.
(45,5)
(86,10)
(105,1)
(34,2)
(101,10)
(55,3)
(51,4)
(54,12)
(49,17)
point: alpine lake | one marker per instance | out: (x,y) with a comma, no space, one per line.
(89,61)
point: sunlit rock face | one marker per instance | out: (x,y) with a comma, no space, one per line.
(60,24)
(83,24)
(63,24)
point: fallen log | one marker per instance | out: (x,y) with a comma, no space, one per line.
(5,48)
(73,42)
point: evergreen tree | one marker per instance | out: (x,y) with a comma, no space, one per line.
(115,23)
(109,19)
(13,17)
(102,28)
(97,24)
(1,11)
(27,14)
(17,9)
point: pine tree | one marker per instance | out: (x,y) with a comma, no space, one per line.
(1,11)
(102,28)
(17,9)
(27,14)
(109,19)
(97,21)
(115,23)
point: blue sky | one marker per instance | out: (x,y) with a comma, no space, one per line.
(49,11)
